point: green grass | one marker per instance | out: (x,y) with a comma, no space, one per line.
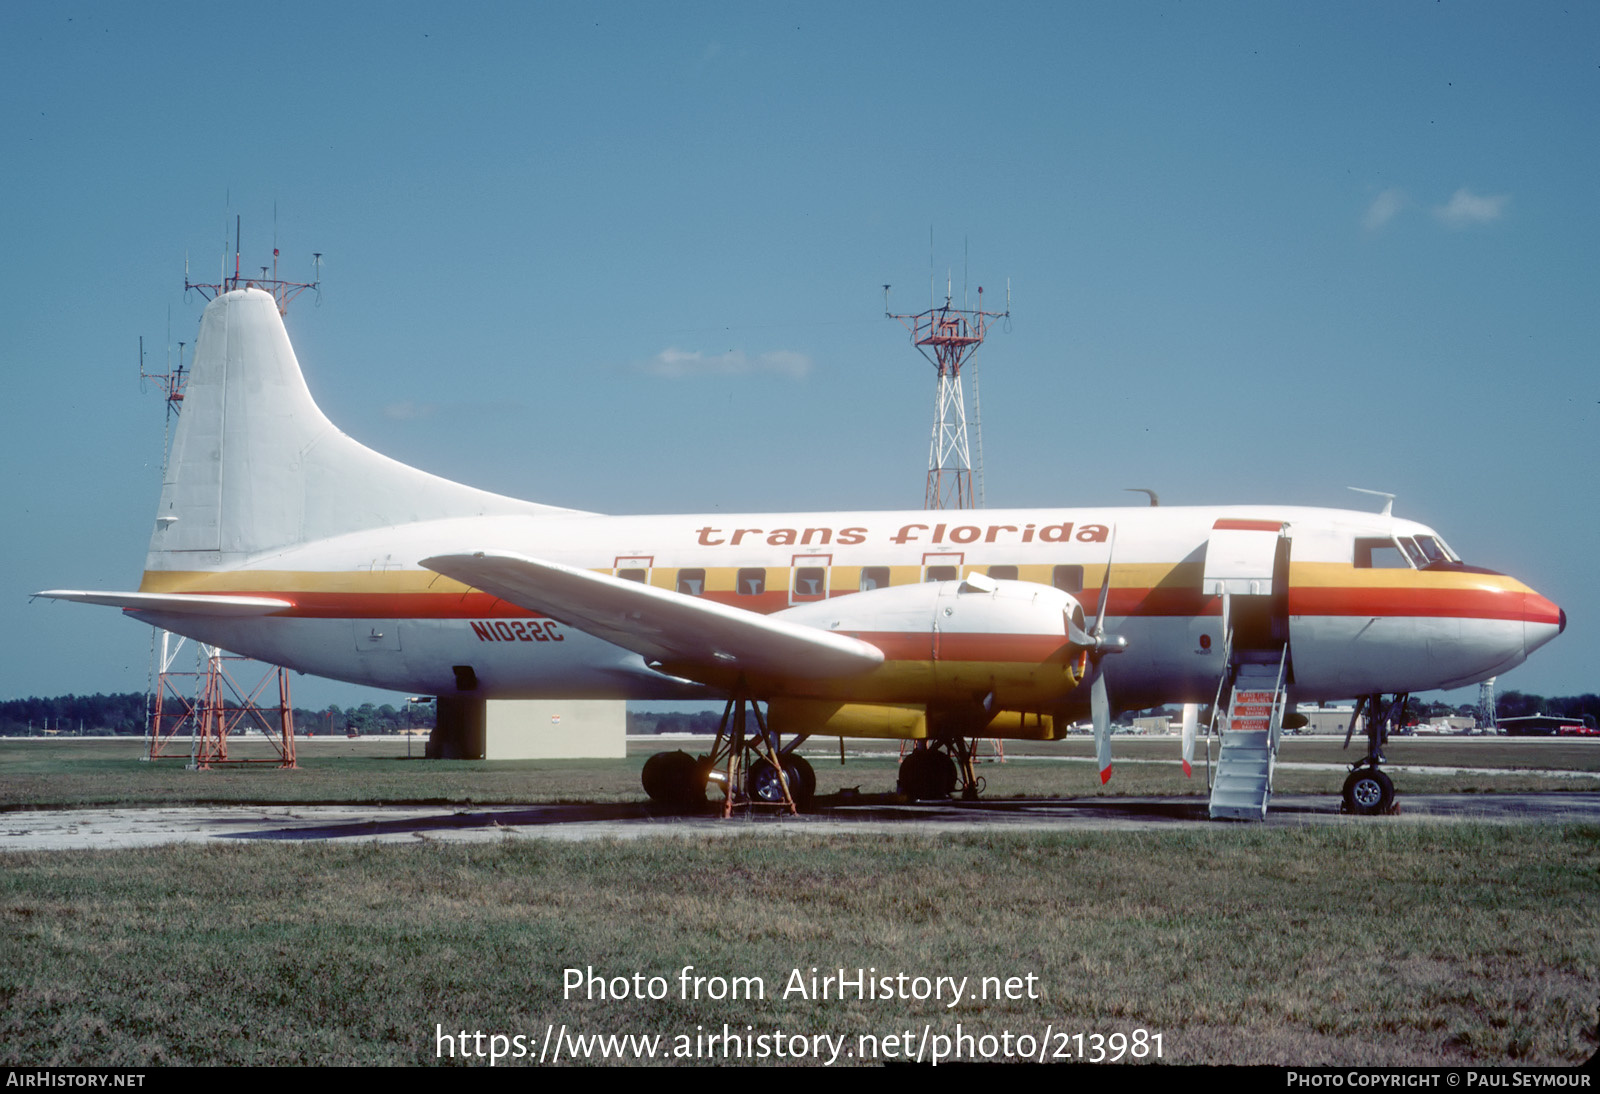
(67,773)
(1381,943)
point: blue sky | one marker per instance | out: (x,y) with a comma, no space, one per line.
(630,258)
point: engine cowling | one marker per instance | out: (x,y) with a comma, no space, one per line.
(1005,645)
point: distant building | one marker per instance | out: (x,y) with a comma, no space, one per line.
(1549,725)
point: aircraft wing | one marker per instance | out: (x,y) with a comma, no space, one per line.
(187,603)
(682,635)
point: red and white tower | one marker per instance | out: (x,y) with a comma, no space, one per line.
(947,337)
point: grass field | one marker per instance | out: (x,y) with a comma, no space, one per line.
(1379,942)
(1350,945)
(65,773)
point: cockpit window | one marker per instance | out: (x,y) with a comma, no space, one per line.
(1413,552)
(1434,549)
(1380,554)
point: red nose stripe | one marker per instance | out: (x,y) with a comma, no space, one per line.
(1439,603)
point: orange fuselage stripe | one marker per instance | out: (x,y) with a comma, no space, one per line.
(1315,589)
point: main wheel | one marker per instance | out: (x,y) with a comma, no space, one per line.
(764,786)
(927,774)
(674,779)
(805,775)
(1368,792)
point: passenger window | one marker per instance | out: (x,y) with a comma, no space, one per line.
(810,583)
(752,582)
(942,573)
(641,576)
(874,577)
(1003,573)
(1069,579)
(692,582)
(1379,554)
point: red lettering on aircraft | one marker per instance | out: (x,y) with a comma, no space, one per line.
(1062,532)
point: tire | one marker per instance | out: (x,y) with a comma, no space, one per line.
(1368,792)
(805,775)
(927,775)
(674,779)
(763,786)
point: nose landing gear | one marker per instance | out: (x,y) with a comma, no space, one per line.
(1368,791)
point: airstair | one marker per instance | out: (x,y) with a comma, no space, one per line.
(1249,731)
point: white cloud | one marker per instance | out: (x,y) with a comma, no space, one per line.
(1384,208)
(676,363)
(1466,208)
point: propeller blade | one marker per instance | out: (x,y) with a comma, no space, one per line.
(1191,722)
(1100,708)
(1105,586)
(1078,636)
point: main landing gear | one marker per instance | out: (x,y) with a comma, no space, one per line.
(747,765)
(934,767)
(1368,791)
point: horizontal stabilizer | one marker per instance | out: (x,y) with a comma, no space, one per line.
(698,639)
(187,603)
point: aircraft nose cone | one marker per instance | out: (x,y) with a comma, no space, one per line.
(1542,620)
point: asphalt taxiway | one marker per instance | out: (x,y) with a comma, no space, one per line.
(123,827)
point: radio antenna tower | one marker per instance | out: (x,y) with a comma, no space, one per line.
(948,336)
(282,291)
(209,717)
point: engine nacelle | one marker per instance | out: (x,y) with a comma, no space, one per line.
(1002,645)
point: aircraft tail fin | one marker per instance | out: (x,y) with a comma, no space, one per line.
(256,467)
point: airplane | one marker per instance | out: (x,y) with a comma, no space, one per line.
(280,538)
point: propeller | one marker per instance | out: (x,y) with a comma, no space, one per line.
(1097,643)
(1191,722)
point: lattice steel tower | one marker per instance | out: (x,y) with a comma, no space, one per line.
(947,337)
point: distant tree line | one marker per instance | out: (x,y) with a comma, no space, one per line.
(648,722)
(125,714)
(1516,704)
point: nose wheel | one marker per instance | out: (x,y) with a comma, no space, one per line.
(1368,792)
